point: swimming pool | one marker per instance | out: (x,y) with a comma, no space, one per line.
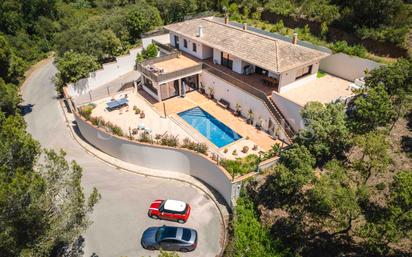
(210,127)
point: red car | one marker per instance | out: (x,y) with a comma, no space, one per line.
(169,210)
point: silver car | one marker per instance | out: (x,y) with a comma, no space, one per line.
(169,239)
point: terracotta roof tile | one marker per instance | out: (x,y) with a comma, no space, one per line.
(263,51)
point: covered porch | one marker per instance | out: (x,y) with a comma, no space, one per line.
(169,76)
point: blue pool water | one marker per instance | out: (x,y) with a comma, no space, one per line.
(210,127)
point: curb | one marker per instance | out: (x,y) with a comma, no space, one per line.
(108,162)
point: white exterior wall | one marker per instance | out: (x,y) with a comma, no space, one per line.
(161,158)
(288,78)
(235,96)
(202,52)
(298,83)
(164,39)
(346,66)
(108,73)
(290,110)
(237,65)
(217,56)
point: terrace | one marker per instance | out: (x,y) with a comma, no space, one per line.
(169,67)
(325,90)
(162,119)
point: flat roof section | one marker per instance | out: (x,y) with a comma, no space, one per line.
(264,51)
(175,64)
(324,90)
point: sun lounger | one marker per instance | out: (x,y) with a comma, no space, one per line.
(115,104)
(123,101)
(112,105)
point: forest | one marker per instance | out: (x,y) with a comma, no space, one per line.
(344,188)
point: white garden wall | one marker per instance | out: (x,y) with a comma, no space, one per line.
(109,72)
(161,158)
(346,66)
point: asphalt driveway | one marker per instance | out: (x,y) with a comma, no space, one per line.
(120,217)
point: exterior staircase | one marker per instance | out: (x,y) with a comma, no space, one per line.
(290,133)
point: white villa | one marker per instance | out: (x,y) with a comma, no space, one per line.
(236,90)
(238,66)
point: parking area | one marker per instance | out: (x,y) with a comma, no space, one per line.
(121,218)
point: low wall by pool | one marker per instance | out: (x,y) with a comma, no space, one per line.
(161,158)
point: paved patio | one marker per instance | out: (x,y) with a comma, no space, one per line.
(127,119)
(260,138)
(159,123)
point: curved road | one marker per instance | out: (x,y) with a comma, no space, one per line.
(121,215)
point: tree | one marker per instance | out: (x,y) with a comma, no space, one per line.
(142,18)
(11,66)
(394,222)
(333,201)
(374,13)
(373,147)
(110,44)
(176,10)
(326,135)
(43,211)
(397,81)
(18,150)
(372,110)
(250,238)
(73,66)
(9,98)
(295,170)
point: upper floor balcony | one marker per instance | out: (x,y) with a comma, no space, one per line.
(169,67)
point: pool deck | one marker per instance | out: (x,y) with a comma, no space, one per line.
(176,105)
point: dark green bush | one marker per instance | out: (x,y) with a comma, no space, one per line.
(241,166)
(343,47)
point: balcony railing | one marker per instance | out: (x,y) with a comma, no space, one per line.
(256,92)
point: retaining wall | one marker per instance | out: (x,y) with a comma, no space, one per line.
(162,158)
(346,66)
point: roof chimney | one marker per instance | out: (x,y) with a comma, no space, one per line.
(295,38)
(245,26)
(200,31)
(226,18)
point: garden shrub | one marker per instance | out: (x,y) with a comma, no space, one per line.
(97,121)
(241,166)
(114,129)
(145,138)
(198,147)
(169,140)
(86,111)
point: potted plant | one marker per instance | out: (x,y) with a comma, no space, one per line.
(211,92)
(142,115)
(259,123)
(245,149)
(250,117)
(202,88)
(238,110)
